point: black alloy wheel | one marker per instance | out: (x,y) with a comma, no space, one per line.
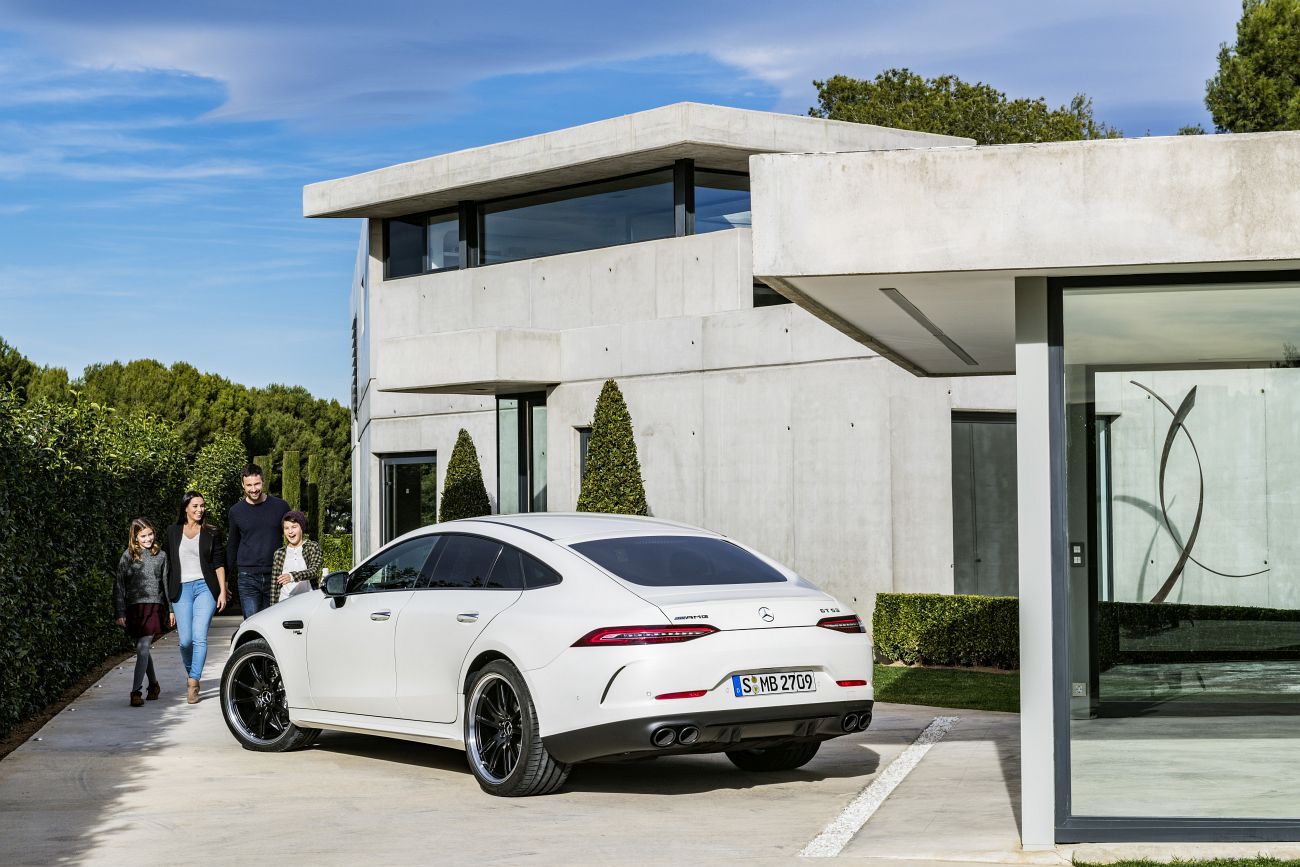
(505,751)
(253,702)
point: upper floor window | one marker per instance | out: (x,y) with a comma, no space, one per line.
(604,214)
(721,201)
(661,203)
(416,245)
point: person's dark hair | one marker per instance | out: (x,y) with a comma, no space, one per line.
(185,504)
(251,470)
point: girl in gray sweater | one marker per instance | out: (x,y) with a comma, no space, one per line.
(140,601)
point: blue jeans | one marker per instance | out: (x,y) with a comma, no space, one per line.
(194,612)
(254,591)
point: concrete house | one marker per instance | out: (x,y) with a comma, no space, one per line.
(498,288)
(815,325)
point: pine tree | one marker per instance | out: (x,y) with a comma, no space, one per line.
(613,481)
(463,493)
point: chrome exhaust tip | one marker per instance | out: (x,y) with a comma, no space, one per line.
(864,720)
(850,722)
(688,735)
(663,737)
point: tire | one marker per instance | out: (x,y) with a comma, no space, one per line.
(502,744)
(783,758)
(253,704)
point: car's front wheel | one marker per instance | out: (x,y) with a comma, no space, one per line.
(253,703)
(783,758)
(505,751)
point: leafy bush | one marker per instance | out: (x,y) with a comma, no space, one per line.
(291,481)
(72,476)
(215,474)
(613,481)
(336,552)
(463,493)
(938,629)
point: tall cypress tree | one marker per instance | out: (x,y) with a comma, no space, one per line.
(463,493)
(613,481)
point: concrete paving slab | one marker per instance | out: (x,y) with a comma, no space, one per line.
(166,783)
(104,783)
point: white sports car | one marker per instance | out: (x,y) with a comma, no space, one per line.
(537,641)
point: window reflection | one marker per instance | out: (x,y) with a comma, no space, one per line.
(721,201)
(622,211)
(1183,485)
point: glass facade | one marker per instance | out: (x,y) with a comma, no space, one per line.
(721,201)
(422,243)
(1182,414)
(663,203)
(621,211)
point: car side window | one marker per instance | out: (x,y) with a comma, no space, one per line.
(516,570)
(508,573)
(463,562)
(398,568)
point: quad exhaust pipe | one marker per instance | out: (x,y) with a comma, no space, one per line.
(666,736)
(850,722)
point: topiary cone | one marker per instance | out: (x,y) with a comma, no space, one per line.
(613,481)
(463,493)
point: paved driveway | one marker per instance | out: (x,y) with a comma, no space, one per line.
(106,783)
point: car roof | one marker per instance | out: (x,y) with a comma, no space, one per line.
(560,526)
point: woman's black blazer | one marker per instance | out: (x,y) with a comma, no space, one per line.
(212,555)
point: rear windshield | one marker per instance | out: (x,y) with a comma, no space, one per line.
(678,561)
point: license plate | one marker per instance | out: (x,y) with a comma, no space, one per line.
(775,683)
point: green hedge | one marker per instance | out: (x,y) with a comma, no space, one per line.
(1146,633)
(336,551)
(72,476)
(938,629)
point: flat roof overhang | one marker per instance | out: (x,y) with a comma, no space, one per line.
(915,253)
(714,136)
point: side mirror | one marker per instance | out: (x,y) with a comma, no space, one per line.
(336,583)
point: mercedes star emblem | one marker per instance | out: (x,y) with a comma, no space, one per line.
(766,615)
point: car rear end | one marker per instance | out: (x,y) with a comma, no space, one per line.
(745,656)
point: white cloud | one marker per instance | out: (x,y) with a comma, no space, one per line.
(339,62)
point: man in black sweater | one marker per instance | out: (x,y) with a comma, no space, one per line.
(256,532)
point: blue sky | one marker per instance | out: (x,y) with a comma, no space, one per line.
(153,154)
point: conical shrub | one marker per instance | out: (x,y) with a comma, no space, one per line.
(463,493)
(613,482)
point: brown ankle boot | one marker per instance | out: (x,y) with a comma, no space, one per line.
(152,694)
(136,699)
(192,694)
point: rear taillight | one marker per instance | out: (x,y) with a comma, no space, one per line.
(622,636)
(842,624)
(850,683)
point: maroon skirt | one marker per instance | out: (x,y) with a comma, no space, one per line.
(145,618)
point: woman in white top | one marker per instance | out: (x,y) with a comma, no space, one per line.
(197,578)
(296,566)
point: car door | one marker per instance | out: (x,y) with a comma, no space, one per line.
(469,584)
(350,642)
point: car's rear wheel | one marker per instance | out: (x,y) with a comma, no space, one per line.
(253,703)
(783,758)
(505,751)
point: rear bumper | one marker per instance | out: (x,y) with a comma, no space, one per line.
(719,731)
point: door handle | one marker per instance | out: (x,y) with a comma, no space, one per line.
(467,617)
(381,615)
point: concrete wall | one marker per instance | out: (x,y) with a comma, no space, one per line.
(1063,205)
(765,424)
